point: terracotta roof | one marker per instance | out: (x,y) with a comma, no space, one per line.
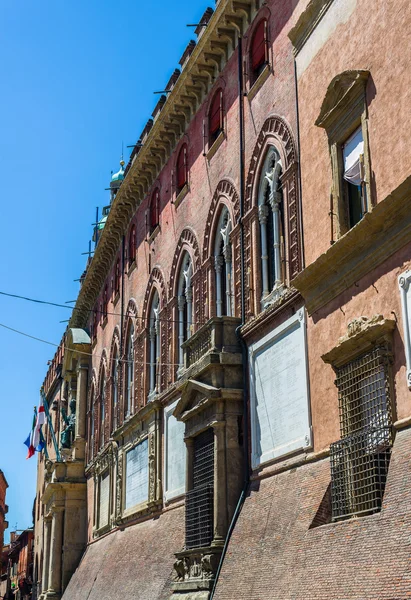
(134,563)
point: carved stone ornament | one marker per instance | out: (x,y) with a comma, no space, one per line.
(362,334)
(307,22)
(196,567)
(152,468)
(342,91)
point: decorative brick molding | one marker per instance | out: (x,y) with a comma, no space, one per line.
(277,132)
(225,191)
(188,241)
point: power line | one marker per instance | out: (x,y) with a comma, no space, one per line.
(91,310)
(121,360)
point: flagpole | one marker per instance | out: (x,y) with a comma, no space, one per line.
(53,435)
(42,439)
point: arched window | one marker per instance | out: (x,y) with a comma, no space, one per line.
(215,117)
(181,168)
(91,425)
(129,373)
(117,278)
(154,210)
(114,392)
(271,216)
(223,265)
(105,303)
(185,305)
(102,406)
(132,246)
(259,50)
(154,345)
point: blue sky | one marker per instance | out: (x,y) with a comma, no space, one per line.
(77,80)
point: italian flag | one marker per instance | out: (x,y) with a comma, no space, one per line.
(33,442)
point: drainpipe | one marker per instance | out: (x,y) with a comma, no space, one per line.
(246,475)
(300,204)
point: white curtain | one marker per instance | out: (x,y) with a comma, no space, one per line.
(352,150)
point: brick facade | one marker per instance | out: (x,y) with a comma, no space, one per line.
(179,310)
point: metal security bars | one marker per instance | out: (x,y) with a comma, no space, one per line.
(359,461)
(359,466)
(199,517)
(200,500)
(364,392)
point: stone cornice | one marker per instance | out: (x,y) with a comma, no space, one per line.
(307,22)
(168,128)
(362,334)
(380,233)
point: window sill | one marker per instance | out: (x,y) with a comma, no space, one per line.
(181,195)
(153,234)
(131,268)
(116,298)
(216,144)
(259,82)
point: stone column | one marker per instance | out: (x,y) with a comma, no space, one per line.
(275,199)
(81,412)
(153,336)
(218,264)
(56,547)
(189,463)
(189,298)
(263,215)
(228,259)
(46,554)
(220,484)
(181,304)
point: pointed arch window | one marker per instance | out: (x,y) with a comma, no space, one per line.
(259,50)
(132,246)
(154,346)
(117,278)
(185,306)
(223,265)
(129,396)
(154,211)
(181,168)
(271,217)
(91,425)
(102,406)
(114,393)
(215,117)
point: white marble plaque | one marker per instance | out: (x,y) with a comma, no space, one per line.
(280,414)
(404,281)
(104,501)
(175,455)
(137,475)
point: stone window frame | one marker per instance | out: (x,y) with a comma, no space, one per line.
(343,111)
(404,281)
(171,495)
(127,513)
(104,464)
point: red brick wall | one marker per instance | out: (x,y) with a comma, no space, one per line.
(3,518)
(276,96)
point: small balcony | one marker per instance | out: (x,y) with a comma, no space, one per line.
(214,342)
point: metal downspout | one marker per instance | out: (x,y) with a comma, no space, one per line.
(238,330)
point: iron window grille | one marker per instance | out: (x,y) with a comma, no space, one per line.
(359,461)
(200,500)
